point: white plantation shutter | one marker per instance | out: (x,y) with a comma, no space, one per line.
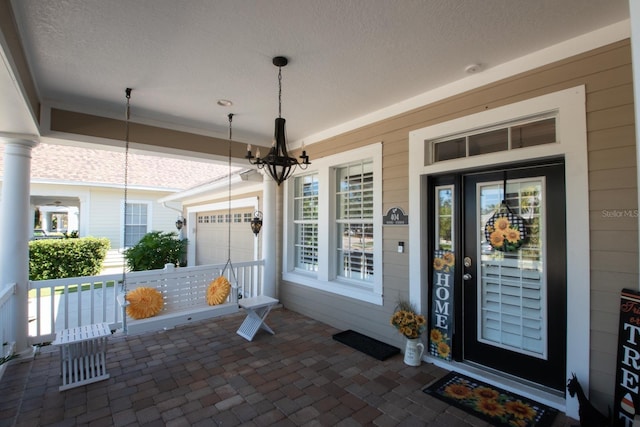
(306,222)
(354,219)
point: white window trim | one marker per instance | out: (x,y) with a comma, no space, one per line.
(149,204)
(572,145)
(325,279)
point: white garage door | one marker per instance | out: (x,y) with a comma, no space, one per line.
(212,231)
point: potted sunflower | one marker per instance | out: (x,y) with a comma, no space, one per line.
(411,325)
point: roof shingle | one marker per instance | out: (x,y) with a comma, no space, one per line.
(88,165)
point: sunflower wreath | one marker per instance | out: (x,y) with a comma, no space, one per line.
(506,231)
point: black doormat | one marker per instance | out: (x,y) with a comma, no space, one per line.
(367,345)
(494,405)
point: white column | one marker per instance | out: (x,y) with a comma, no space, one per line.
(45,219)
(15,227)
(269,236)
(634,15)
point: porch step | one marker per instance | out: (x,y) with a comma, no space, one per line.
(113,262)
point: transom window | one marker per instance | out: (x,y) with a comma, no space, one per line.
(517,135)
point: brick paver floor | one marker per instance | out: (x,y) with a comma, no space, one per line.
(204,374)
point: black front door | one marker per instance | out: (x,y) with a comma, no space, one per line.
(510,293)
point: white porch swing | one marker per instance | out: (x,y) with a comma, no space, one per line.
(151,301)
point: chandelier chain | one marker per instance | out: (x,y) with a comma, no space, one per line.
(279,91)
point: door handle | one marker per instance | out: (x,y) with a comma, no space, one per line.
(467,276)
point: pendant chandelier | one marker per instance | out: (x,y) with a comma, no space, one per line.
(278,162)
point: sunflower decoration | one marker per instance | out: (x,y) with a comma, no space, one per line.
(505,409)
(505,231)
(445,262)
(439,344)
(407,321)
(144,302)
(218,291)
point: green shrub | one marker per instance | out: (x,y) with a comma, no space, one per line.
(154,250)
(61,258)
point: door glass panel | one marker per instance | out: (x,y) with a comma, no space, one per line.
(444,218)
(512,292)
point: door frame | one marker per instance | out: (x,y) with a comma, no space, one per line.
(569,105)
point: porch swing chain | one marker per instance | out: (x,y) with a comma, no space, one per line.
(229,263)
(126,184)
(229,205)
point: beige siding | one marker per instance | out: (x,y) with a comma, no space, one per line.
(606,74)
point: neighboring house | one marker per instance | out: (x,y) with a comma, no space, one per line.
(82,189)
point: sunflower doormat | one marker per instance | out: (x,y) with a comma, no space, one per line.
(496,406)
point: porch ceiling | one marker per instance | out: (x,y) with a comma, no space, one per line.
(348,59)
(55,201)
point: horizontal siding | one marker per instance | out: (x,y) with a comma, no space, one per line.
(609,179)
(614,241)
(614,261)
(621,136)
(105,210)
(606,74)
(614,199)
(616,157)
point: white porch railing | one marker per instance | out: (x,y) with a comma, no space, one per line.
(59,304)
(7,320)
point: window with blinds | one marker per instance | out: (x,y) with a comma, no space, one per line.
(354,220)
(135,223)
(306,222)
(331,214)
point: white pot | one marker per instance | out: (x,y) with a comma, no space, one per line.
(413,352)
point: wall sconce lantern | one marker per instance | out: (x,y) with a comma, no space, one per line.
(181,222)
(256,222)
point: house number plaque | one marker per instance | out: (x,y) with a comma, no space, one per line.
(395,216)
